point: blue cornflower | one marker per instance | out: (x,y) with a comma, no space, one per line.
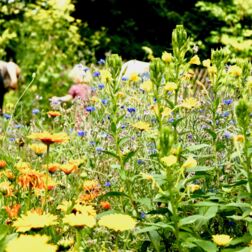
(104,101)
(101,62)
(99,149)
(142,215)
(124,78)
(85,69)
(227,135)
(92,143)
(93,89)
(154,99)
(90,108)
(190,136)
(171,120)
(7,116)
(12,139)
(107,184)
(131,110)
(35,111)
(81,133)
(123,126)
(140,161)
(225,114)
(18,126)
(227,101)
(101,85)
(96,74)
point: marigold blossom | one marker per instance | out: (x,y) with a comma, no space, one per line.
(30,243)
(80,220)
(118,222)
(48,138)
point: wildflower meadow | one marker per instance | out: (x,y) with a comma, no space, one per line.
(159,161)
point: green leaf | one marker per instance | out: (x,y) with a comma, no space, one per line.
(200,169)
(191,219)
(146,229)
(206,204)
(111,153)
(129,155)
(114,194)
(123,140)
(211,133)
(206,245)
(196,147)
(211,212)
(155,239)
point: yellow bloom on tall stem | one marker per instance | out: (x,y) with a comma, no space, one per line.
(39,149)
(170,86)
(189,163)
(169,160)
(195,60)
(141,125)
(190,103)
(235,71)
(118,222)
(30,243)
(221,239)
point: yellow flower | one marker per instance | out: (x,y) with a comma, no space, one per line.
(30,243)
(2,163)
(206,63)
(85,209)
(189,163)
(166,112)
(193,187)
(147,86)
(170,86)
(221,239)
(249,82)
(147,176)
(79,220)
(175,150)
(212,70)
(195,60)
(239,138)
(64,206)
(117,222)
(141,125)
(48,138)
(134,77)
(121,95)
(94,99)
(66,242)
(22,165)
(190,103)
(33,220)
(169,160)
(39,149)
(235,71)
(166,57)
(105,75)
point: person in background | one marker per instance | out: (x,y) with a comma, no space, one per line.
(9,74)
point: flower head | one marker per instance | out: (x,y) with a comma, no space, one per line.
(189,163)
(195,60)
(134,77)
(2,163)
(147,86)
(53,113)
(235,71)
(33,220)
(80,220)
(170,86)
(221,239)
(118,222)
(39,149)
(169,160)
(48,138)
(141,125)
(190,103)
(30,243)
(166,57)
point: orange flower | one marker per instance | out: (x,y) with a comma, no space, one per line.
(48,138)
(105,205)
(91,185)
(9,174)
(53,113)
(12,211)
(2,163)
(6,188)
(31,179)
(68,168)
(53,167)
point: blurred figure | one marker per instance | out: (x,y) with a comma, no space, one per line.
(9,74)
(81,77)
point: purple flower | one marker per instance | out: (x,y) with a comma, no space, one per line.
(107,184)
(131,110)
(142,215)
(90,108)
(225,114)
(124,78)
(7,116)
(81,133)
(101,85)
(96,74)
(171,120)
(101,62)
(104,101)
(227,135)
(227,101)
(35,111)
(99,149)
(140,161)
